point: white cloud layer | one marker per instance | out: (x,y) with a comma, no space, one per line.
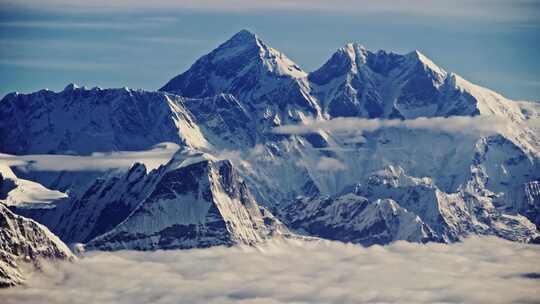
(152,158)
(476,125)
(479,270)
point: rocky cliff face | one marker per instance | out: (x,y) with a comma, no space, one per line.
(197,201)
(355,219)
(270,86)
(82,121)
(389,205)
(23,243)
(105,204)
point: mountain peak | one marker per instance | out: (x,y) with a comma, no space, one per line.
(354,46)
(244,39)
(356,52)
(345,60)
(241,61)
(243,36)
(418,56)
(23,240)
(70,87)
(199,203)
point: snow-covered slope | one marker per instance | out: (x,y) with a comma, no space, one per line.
(82,121)
(23,242)
(105,204)
(272,88)
(353,218)
(390,205)
(22,193)
(526,200)
(223,121)
(197,201)
(358,82)
(449,215)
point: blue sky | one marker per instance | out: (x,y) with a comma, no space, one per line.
(50,43)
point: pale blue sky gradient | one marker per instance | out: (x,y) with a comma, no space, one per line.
(48,44)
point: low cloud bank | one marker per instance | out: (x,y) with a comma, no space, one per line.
(476,125)
(152,158)
(479,270)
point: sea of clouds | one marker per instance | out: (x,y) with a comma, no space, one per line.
(478,270)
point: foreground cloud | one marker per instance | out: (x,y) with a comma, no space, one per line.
(479,270)
(482,125)
(152,158)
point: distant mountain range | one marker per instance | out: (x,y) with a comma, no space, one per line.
(354,173)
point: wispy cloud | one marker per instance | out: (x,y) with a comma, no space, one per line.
(170,40)
(22,43)
(121,23)
(483,125)
(499,9)
(63,24)
(48,64)
(152,158)
(479,270)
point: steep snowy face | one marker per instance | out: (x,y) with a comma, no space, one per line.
(80,120)
(23,241)
(267,83)
(358,82)
(355,219)
(197,202)
(281,170)
(528,201)
(223,121)
(234,66)
(450,216)
(105,204)
(22,193)
(419,196)
(390,205)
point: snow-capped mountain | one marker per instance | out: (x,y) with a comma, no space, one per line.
(355,219)
(23,242)
(197,201)
(82,121)
(358,82)
(270,86)
(369,213)
(102,206)
(367,186)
